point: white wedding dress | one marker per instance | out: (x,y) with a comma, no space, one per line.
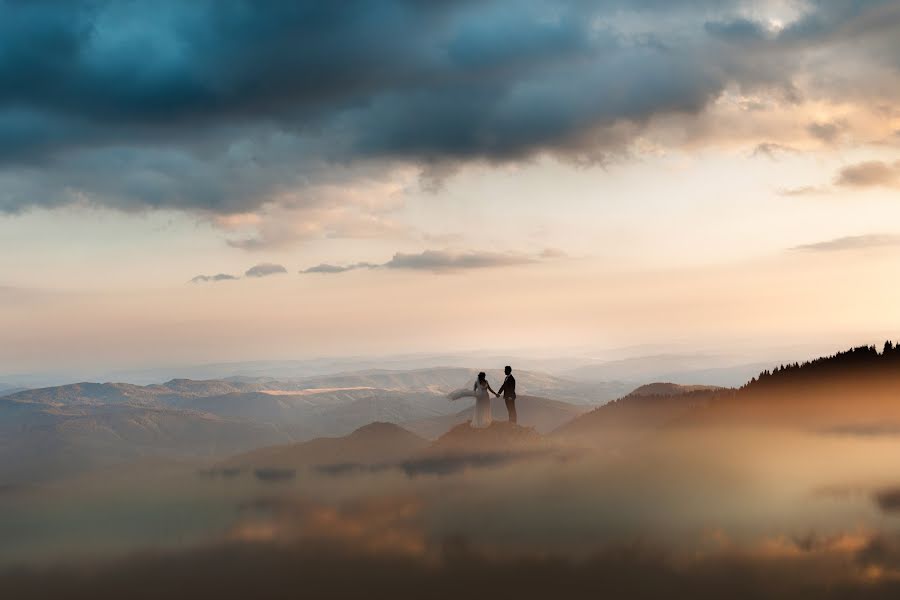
(482,416)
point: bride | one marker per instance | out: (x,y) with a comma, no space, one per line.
(482,416)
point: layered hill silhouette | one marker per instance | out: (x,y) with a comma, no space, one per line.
(500,436)
(6,390)
(857,390)
(671,389)
(80,426)
(543,414)
(381,446)
(40,441)
(59,430)
(641,412)
(372,444)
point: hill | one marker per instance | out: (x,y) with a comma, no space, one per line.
(670,389)
(75,427)
(86,393)
(640,413)
(376,443)
(854,390)
(380,446)
(48,431)
(305,408)
(40,441)
(500,436)
(6,390)
(543,414)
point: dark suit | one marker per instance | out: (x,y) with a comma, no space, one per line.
(508,389)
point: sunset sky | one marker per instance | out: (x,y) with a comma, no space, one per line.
(223,180)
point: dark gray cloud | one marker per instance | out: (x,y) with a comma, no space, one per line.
(828,131)
(326,268)
(264,270)
(217,106)
(869,174)
(442,261)
(772,149)
(859,176)
(851,242)
(219,277)
(437,260)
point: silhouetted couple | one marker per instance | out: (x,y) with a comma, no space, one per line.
(483,400)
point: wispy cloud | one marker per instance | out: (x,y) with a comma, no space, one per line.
(872,173)
(772,149)
(868,174)
(256,271)
(218,277)
(442,261)
(264,270)
(827,131)
(437,260)
(851,242)
(327,268)
(806,190)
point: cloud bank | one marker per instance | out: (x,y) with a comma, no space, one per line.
(221,107)
(326,268)
(869,174)
(219,277)
(255,272)
(264,270)
(439,261)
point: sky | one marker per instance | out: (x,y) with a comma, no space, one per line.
(192,182)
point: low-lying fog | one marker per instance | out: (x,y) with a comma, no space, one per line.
(825,503)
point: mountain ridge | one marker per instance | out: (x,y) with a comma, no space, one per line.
(849,389)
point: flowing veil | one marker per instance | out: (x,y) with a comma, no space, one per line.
(461,393)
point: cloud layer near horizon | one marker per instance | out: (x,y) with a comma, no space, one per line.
(255,272)
(437,261)
(219,277)
(264,270)
(220,107)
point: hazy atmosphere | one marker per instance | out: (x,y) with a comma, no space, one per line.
(206,181)
(549,299)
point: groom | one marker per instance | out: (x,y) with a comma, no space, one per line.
(508,389)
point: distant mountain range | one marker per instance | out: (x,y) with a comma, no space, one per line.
(6,390)
(41,441)
(627,367)
(49,432)
(683,368)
